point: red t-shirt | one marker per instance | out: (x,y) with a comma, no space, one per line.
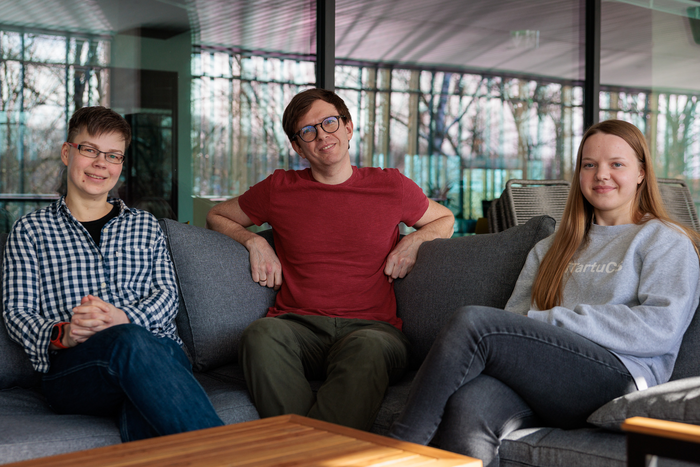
(333,240)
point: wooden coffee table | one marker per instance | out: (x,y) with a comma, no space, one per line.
(287,440)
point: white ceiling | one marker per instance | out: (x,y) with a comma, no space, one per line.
(641,46)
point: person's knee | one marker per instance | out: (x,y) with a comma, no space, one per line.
(371,347)
(479,414)
(133,346)
(473,316)
(485,403)
(264,336)
(264,330)
(135,338)
(126,334)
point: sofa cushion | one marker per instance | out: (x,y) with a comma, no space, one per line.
(676,401)
(228,392)
(30,429)
(472,270)
(393,403)
(218,298)
(553,447)
(16,368)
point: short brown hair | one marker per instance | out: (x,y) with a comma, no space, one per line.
(98,121)
(301,103)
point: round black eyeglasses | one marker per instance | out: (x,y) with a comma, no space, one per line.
(329,125)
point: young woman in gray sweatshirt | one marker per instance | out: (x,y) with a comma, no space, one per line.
(599,310)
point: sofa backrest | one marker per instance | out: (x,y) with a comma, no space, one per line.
(688,360)
(217,301)
(472,270)
(218,298)
(15,367)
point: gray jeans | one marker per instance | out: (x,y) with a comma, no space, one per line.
(357,359)
(491,372)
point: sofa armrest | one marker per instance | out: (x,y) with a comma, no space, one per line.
(471,270)
(675,401)
(218,298)
(16,368)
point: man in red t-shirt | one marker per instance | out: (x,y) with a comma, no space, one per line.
(337,252)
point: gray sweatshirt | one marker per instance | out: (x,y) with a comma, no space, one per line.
(633,290)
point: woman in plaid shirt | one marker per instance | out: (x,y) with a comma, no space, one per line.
(90,293)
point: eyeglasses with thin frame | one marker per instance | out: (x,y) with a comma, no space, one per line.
(93,153)
(329,125)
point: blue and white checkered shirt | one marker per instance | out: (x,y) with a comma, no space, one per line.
(51,263)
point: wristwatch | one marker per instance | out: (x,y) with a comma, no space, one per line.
(57,335)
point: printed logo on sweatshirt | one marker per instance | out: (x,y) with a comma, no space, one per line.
(607,268)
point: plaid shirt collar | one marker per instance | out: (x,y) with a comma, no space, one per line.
(123,208)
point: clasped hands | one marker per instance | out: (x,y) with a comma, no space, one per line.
(90,317)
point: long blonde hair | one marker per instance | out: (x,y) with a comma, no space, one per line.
(578,214)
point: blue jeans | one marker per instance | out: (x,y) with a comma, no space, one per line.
(127,372)
(491,372)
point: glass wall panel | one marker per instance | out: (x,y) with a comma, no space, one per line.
(43,78)
(438,127)
(463,96)
(650,61)
(237,106)
(248,60)
(261,25)
(460,96)
(10,45)
(45,48)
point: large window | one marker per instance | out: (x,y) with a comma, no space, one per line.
(651,79)
(671,123)
(459,96)
(237,106)
(460,136)
(43,78)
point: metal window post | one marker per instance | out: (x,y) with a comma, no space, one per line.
(325,44)
(591,87)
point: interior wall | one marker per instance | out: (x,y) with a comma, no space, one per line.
(173,54)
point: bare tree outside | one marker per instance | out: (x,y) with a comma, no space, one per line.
(39,90)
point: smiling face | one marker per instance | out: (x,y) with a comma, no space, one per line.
(610,174)
(92,179)
(328,154)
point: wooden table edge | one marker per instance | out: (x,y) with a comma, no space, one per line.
(125,449)
(371,437)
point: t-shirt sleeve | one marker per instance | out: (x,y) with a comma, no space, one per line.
(414,203)
(255,202)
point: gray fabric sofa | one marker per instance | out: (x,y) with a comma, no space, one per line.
(218,300)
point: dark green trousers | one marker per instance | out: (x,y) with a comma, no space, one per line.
(357,360)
